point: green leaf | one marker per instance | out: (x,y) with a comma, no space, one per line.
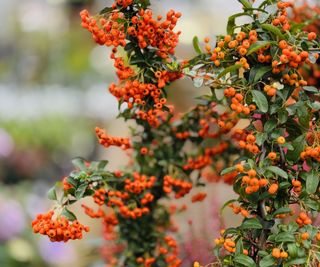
(282,115)
(239,247)
(81,190)
(245,3)
(260,138)
(278,171)
(68,214)
(244,260)
(267,261)
(261,100)
(72,181)
(311,89)
(229,69)
(52,194)
(270,125)
(196,45)
(228,170)
(295,262)
(102,164)
(258,45)
(273,29)
(312,182)
(284,237)
(251,223)
(79,163)
(292,250)
(232,21)
(281,211)
(105,10)
(257,72)
(298,146)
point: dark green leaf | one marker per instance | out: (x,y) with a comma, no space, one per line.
(68,214)
(81,190)
(284,237)
(251,223)
(261,100)
(278,171)
(257,45)
(229,69)
(298,145)
(270,125)
(281,211)
(292,250)
(312,182)
(106,10)
(267,261)
(244,260)
(257,72)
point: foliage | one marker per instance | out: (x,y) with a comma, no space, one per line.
(273,163)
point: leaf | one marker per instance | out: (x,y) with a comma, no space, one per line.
(298,146)
(261,101)
(295,262)
(267,261)
(228,170)
(258,45)
(72,181)
(273,29)
(229,69)
(245,3)
(260,138)
(278,171)
(244,260)
(257,72)
(284,237)
(52,194)
(81,190)
(282,115)
(311,89)
(102,164)
(232,21)
(292,250)
(68,214)
(105,10)
(270,125)
(196,45)
(281,211)
(252,223)
(312,182)
(79,163)
(239,247)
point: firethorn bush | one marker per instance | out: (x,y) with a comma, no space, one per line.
(258,75)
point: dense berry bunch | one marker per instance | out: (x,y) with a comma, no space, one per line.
(58,229)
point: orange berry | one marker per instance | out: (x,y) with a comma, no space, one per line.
(276,253)
(273,189)
(272,155)
(305,236)
(252,173)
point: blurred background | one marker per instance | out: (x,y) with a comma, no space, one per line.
(53,92)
